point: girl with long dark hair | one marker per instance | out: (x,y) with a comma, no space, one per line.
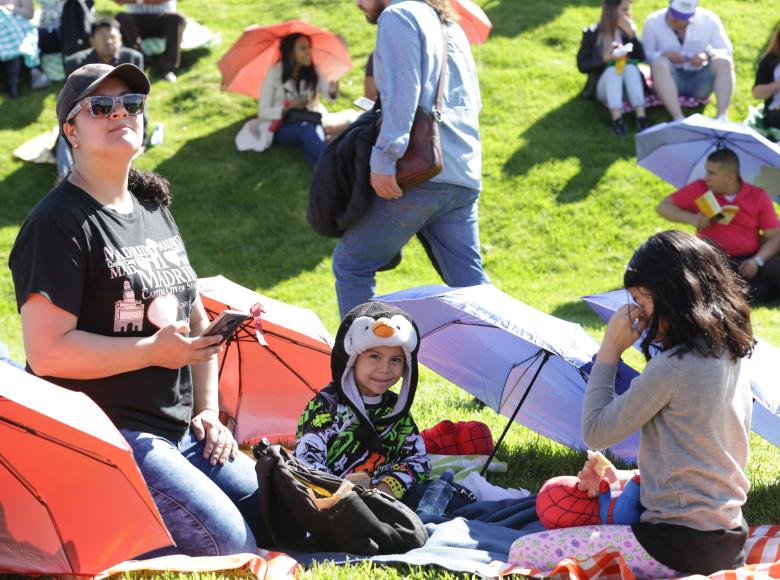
(767,85)
(289,107)
(610,63)
(693,406)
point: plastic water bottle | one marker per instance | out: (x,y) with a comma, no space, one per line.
(158,135)
(437,496)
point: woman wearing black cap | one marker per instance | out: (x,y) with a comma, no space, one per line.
(109,305)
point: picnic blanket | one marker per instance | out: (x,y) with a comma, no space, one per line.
(476,535)
(264,565)
(463,546)
(763,561)
(474,547)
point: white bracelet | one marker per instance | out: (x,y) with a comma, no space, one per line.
(759,260)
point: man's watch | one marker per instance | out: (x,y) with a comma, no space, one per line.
(759,260)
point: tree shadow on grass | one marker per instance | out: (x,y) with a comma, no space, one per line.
(243,214)
(18,113)
(576,311)
(763,503)
(22,189)
(513,17)
(552,138)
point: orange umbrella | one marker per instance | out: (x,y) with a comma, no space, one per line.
(72,500)
(244,65)
(473,21)
(271,367)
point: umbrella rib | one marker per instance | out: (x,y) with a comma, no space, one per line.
(452,322)
(251,336)
(536,355)
(296,342)
(546,357)
(292,370)
(59,442)
(240,397)
(29,487)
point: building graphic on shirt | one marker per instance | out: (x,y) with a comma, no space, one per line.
(128,312)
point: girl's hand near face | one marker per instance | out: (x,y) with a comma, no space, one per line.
(627,25)
(625,326)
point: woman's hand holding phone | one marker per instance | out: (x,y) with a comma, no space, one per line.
(173,349)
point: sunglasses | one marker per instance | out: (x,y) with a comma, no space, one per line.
(101,106)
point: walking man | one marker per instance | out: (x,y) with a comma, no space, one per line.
(443,210)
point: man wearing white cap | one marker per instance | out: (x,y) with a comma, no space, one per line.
(690,54)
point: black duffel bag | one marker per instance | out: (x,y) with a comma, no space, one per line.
(363,521)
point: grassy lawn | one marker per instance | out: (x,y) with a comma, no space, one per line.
(563,205)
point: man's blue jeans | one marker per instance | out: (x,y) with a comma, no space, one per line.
(209,510)
(306,135)
(445,215)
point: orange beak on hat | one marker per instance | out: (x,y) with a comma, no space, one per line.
(383,328)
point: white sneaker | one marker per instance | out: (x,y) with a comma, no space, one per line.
(38,79)
(170,77)
(724,117)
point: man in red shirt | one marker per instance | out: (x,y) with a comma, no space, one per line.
(748,212)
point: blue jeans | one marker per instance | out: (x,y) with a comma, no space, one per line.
(445,215)
(310,137)
(209,510)
(694,83)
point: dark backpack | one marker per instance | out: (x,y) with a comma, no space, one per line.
(364,521)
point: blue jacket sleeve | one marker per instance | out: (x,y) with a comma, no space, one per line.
(397,70)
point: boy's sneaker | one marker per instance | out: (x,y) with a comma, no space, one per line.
(641,124)
(619,127)
(38,79)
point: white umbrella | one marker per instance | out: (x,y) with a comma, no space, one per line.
(529,366)
(677,151)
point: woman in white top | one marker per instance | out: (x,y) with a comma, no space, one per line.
(289,107)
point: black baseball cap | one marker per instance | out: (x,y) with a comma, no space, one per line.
(84,80)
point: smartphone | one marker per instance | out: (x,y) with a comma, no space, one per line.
(363,103)
(226,323)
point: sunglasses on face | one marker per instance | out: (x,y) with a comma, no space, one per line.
(102,106)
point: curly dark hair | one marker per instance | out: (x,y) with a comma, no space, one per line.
(702,301)
(149,187)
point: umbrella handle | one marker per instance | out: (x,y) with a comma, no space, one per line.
(545,358)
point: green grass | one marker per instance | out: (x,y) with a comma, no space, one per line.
(563,203)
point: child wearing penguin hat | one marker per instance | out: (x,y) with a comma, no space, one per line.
(356,423)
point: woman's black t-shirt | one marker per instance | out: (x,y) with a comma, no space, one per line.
(121,275)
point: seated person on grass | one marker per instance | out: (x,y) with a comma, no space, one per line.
(356,424)
(690,54)
(106,47)
(106,42)
(734,224)
(767,85)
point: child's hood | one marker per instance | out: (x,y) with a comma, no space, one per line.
(370,325)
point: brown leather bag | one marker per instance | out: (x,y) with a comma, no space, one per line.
(423,158)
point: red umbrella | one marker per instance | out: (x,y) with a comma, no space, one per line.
(473,21)
(273,365)
(72,500)
(244,65)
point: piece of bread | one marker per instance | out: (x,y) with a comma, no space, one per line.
(600,463)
